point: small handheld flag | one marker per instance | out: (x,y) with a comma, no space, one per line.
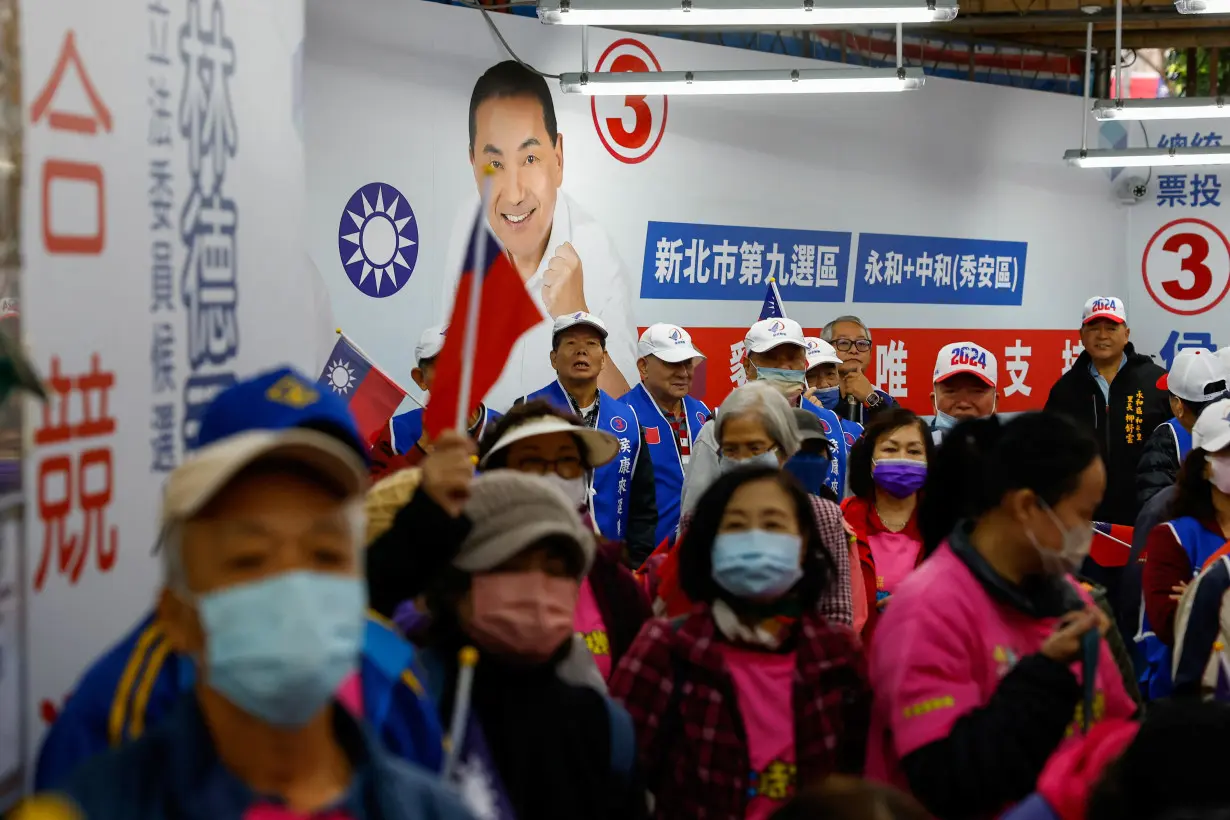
(491,311)
(373,397)
(772,307)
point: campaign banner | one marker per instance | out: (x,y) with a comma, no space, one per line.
(643,209)
(932,270)
(903,361)
(685,261)
(163,181)
(1178,246)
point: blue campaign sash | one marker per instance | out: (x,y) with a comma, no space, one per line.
(407,428)
(841,435)
(1182,438)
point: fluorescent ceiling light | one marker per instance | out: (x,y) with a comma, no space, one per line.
(1165,108)
(700,13)
(1146,157)
(1202,6)
(769,81)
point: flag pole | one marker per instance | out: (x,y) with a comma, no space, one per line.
(777,294)
(469,342)
(375,367)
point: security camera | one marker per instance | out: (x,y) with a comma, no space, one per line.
(1131,189)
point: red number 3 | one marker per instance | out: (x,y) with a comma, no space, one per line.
(1193,263)
(639,135)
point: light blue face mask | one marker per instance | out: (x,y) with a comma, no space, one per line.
(781,376)
(943,421)
(829,397)
(756,564)
(766,459)
(279,648)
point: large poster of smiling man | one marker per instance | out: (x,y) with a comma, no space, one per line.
(565,258)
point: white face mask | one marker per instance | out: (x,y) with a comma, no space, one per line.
(1071,554)
(576,489)
(1219,471)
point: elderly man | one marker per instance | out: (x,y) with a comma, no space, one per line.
(403,444)
(823,378)
(1112,390)
(135,685)
(852,341)
(625,503)
(263,587)
(670,417)
(963,386)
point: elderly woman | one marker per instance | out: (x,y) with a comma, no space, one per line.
(543,739)
(756,427)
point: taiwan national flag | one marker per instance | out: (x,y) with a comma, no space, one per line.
(1112,544)
(505,312)
(373,397)
(772,307)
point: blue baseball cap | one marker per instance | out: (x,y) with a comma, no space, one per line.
(278,400)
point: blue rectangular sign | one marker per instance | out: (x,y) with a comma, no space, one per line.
(688,261)
(936,270)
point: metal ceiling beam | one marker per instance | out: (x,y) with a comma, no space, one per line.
(1162,38)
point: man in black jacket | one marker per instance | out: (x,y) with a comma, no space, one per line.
(1113,390)
(1196,379)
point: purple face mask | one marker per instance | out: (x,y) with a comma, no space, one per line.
(899,477)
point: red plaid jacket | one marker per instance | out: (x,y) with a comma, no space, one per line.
(690,736)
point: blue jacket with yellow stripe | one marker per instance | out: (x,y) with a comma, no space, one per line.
(139,681)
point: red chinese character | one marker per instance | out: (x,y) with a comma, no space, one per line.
(63,120)
(94,387)
(90,244)
(70,170)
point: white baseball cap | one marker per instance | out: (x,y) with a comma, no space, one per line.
(670,343)
(1223,355)
(820,352)
(1195,375)
(770,333)
(204,473)
(1212,430)
(600,446)
(1104,307)
(579,318)
(966,357)
(430,344)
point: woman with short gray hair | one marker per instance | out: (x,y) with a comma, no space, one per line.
(755,426)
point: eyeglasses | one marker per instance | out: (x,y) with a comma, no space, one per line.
(566,467)
(756,448)
(846,345)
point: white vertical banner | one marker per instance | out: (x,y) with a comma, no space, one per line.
(163,247)
(1179,246)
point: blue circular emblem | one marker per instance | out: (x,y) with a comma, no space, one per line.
(849,439)
(700,417)
(378,240)
(618,424)
(825,425)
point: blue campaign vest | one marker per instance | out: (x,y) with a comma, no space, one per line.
(841,435)
(612,483)
(1199,544)
(1182,438)
(407,428)
(136,683)
(664,452)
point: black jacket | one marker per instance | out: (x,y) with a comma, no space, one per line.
(1159,464)
(1135,409)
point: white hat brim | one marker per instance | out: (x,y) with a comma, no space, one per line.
(600,446)
(675,355)
(772,344)
(209,470)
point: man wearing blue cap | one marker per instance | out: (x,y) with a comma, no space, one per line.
(139,683)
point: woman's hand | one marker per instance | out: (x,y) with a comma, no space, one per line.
(1064,644)
(448,470)
(1177,591)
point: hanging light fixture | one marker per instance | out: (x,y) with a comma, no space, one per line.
(1146,157)
(769,81)
(1163,108)
(1202,6)
(701,13)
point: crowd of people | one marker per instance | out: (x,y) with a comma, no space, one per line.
(811,603)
